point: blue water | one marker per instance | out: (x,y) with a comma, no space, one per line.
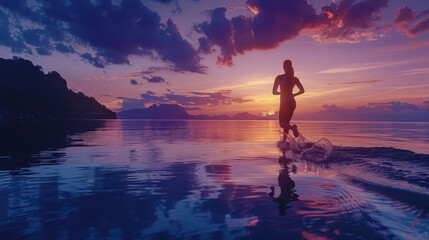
(138,179)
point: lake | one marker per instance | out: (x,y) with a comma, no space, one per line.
(201,179)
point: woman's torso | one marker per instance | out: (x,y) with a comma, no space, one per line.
(286,86)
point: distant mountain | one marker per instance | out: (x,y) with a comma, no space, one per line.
(174,111)
(26,92)
(207,117)
(163,111)
(246,116)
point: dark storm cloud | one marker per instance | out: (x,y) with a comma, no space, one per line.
(131,103)
(359,14)
(179,51)
(193,99)
(163,1)
(196,98)
(37,37)
(133,82)
(114,32)
(205,45)
(176,2)
(16,44)
(149,71)
(346,18)
(409,21)
(422,13)
(277,21)
(43,51)
(151,98)
(243,36)
(419,27)
(154,79)
(284,18)
(404,14)
(220,32)
(394,106)
(95,61)
(139,74)
(214,99)
(60,47)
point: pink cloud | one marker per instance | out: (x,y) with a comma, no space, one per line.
(407,20)
(277,21)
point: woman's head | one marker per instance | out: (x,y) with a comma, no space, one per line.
(287,66)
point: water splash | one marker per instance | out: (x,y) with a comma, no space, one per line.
(320,151)
(302,148)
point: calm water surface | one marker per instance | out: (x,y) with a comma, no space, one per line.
(138,179)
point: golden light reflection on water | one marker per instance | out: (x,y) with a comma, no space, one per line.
(187,141)
(226,178)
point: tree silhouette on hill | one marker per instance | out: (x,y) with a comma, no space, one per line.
(26,92)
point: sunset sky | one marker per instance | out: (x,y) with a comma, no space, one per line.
(221,56)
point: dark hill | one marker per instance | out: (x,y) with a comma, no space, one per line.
(26,92)
(246,116)
(163,111)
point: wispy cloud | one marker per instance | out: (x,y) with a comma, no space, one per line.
(191,99)
(367,66)
(406,47)
(265,81)
(102,78)
(415,71)
(139,73)
(348,69)
(150,70)
(314,93)
(351,83)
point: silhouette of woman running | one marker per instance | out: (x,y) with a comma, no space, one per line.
(287,82)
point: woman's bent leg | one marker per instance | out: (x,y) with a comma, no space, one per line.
(287,108)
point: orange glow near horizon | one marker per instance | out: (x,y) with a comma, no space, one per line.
(370,66)
(332,86)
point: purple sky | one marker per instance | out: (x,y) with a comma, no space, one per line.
(222,56)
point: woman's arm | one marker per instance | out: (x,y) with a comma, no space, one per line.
(301,88)
(276,86)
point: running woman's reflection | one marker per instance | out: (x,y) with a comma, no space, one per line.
(286,184)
